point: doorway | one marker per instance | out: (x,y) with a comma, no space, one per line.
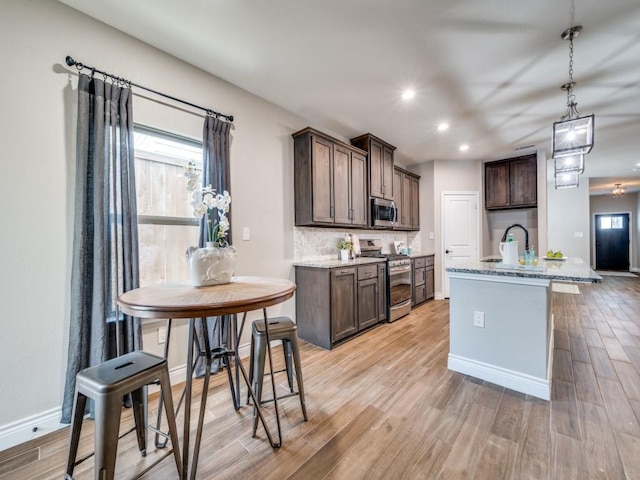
(461,231)
(612,241)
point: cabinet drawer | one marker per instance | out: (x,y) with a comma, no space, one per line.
(420,262)
(369,271)
(429,261)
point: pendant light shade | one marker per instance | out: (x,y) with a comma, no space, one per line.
(573,133)
(567,180)
(573,136)
(570,164)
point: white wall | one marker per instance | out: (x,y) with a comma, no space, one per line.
(36,187)
(608,204)
(568,217)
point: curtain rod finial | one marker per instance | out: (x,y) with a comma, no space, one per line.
(70,61)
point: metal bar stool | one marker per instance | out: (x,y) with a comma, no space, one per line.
(106,384)
(284,329)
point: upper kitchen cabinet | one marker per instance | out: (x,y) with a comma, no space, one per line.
(330,181)
(511,183)
(407,199)
(380,165)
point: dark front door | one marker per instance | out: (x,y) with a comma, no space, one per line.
(612,241)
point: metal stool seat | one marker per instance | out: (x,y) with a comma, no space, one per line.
(285,330)
(106,384)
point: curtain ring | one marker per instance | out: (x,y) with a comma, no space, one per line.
(93,72)
(79,66)
(209,113)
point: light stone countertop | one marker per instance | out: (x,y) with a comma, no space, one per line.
(570,269)
(337,263)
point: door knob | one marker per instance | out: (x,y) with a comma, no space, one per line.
(448,251)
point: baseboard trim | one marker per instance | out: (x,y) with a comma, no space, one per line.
(47,422)
(30,428)
(519,382)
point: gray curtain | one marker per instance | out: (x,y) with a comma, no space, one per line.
(215,172)
(105,240)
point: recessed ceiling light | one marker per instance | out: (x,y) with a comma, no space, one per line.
(408,94)
(464,147)
(443,127)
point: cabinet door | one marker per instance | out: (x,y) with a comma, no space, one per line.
(322,180)
(430,283)
(524,181)
(376,182)
(341,185)
(387,173)
(406,201)
(415,203)
(496,184)
(382,292)
(358,189)
(397,188)
(367,303)
(344,319)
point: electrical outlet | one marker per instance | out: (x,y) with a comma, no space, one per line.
(478,319)
(162,335)
(431,235)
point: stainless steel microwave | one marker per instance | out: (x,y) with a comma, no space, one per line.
(383,213)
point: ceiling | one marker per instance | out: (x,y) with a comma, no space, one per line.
(492,69)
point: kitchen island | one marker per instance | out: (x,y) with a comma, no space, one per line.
(501,322)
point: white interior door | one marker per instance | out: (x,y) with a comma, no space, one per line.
(461,231)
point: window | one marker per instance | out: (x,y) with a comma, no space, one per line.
(611,222)
(166,225)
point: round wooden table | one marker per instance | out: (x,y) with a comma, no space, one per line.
(241,295)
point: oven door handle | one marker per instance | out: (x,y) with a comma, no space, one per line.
(394,217)
(402,269)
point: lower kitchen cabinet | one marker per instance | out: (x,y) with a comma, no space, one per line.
(423,279)
(334,304)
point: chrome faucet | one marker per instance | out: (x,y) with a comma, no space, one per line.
(526,235)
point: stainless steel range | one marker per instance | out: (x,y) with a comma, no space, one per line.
(398,278)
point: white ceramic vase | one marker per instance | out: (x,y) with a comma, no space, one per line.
(344,255)
(211,265)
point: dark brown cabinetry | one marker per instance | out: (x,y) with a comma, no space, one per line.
(330,181)
(511,183)
(423,279)
(333,304)
(407,199)
(380,165)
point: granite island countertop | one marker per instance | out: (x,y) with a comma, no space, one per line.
(569,270)
(337,263)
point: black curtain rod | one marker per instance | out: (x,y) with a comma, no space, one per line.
(80,66)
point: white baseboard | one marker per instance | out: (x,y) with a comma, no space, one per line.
(438,296)
(22,430)
(520,382)
(31,427)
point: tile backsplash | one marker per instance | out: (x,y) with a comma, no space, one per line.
(312,243)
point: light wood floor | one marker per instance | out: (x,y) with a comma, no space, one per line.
(384,406)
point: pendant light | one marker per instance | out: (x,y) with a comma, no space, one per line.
(573,133)
(570,164)
(567,180)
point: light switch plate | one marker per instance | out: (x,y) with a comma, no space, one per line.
(162,335)
(246,233)
(431,235)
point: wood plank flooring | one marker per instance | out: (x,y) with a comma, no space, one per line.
(384,406)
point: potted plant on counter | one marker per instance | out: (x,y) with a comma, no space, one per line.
(344,247)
